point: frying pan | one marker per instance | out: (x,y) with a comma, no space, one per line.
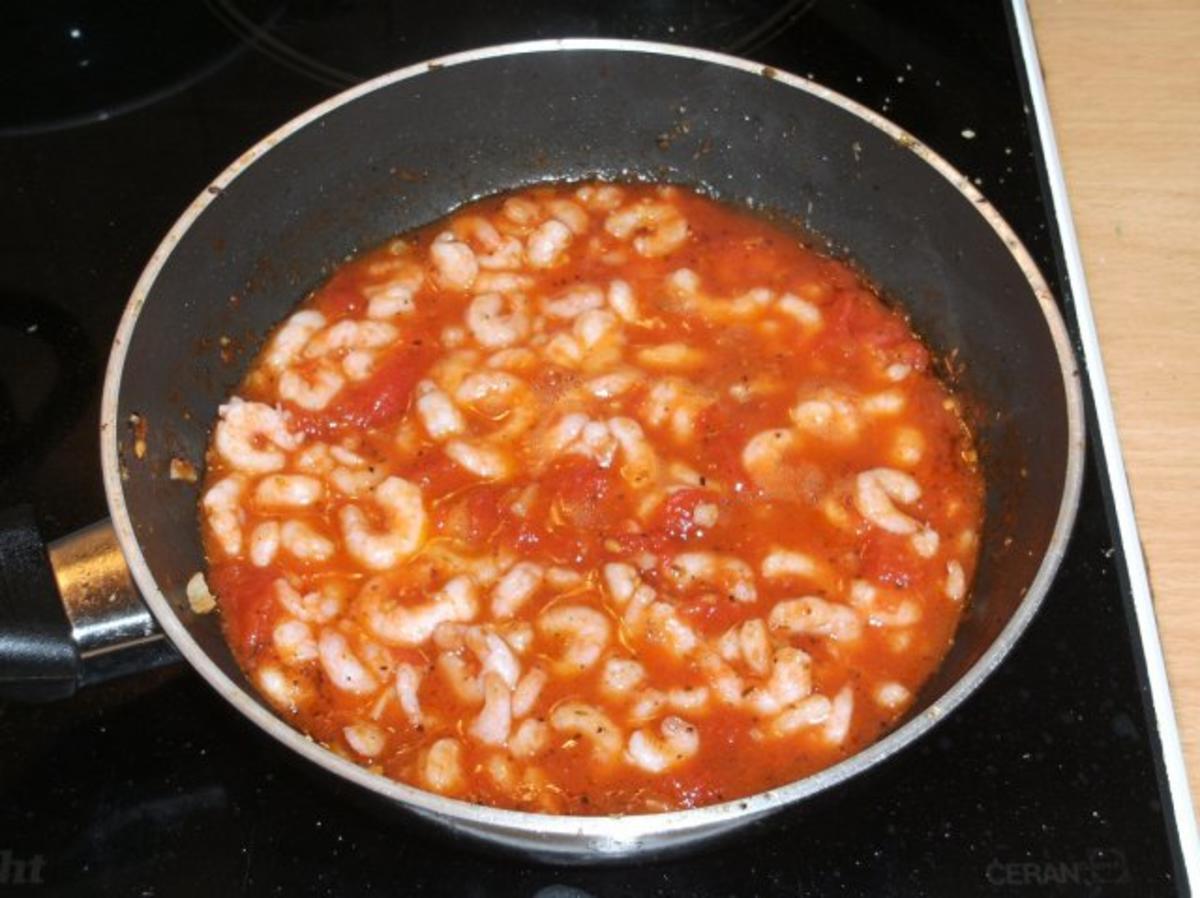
(408,147)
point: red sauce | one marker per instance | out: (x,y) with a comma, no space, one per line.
(812,354)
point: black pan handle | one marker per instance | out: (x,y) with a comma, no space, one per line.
(38,657)
(70,615)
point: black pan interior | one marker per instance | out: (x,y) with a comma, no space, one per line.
(408,152)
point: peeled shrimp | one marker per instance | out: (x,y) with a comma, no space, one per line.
(399,624)
(815,616)
(491,326)
(591,725)
(493,723)
(439,415)
(454,263)
(585,632)
(515,588)
(403,509)
(222,508)
(253,437)
(287,491)
(547,244)
(679,740)
(659,227)
(875,493)
(343,668)
(724,572)
(441,769)
(291,339)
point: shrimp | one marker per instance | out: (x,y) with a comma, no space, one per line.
(628,590)
(679,741)
(303,542)
(620,676)
(498,252)
(590,724)
(790,681)
(264,543)
(485,462)
(253,437)
(515,588)
(311,390)
(584,632)
(600,197)
(294,642)
(828,415)
(925,542)
(343,668)
(526,693)
(454,263)
(493,724)
(366,739)
(441,769)
(813,616)
(459,677)
(492,328)
(593,344)
(730,575)
(672,357)
(285,690)
(357,481)
(494,654)
(908,447)
(529,739)
(503,282)
(569,214)
(748,642)
(349,334)
(676,403)
(876,491)
(547,244)
(404,511)
(518,359)
(892,695)
(499,396)
(956,581)
(837,726)
(439,415)
(809,712)
(288,491)
(664,626)
(613,384)
(785,564)
(395,297)
(520,211)
(399,624)
(574,301)
(657,228)
(803,312)
(408,685)
(641,461)
(224,514)
(622,301)
(291,339)
(313,607)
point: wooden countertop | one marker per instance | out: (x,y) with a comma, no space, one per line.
(1124,87)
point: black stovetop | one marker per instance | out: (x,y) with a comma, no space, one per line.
(114,116)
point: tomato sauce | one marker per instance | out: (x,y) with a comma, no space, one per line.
(592,499)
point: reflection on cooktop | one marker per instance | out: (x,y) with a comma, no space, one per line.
(70,62)
(343,45)
(46,365)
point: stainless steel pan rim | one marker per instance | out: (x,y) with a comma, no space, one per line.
(607,835)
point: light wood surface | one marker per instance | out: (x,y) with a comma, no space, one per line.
(1124,84)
